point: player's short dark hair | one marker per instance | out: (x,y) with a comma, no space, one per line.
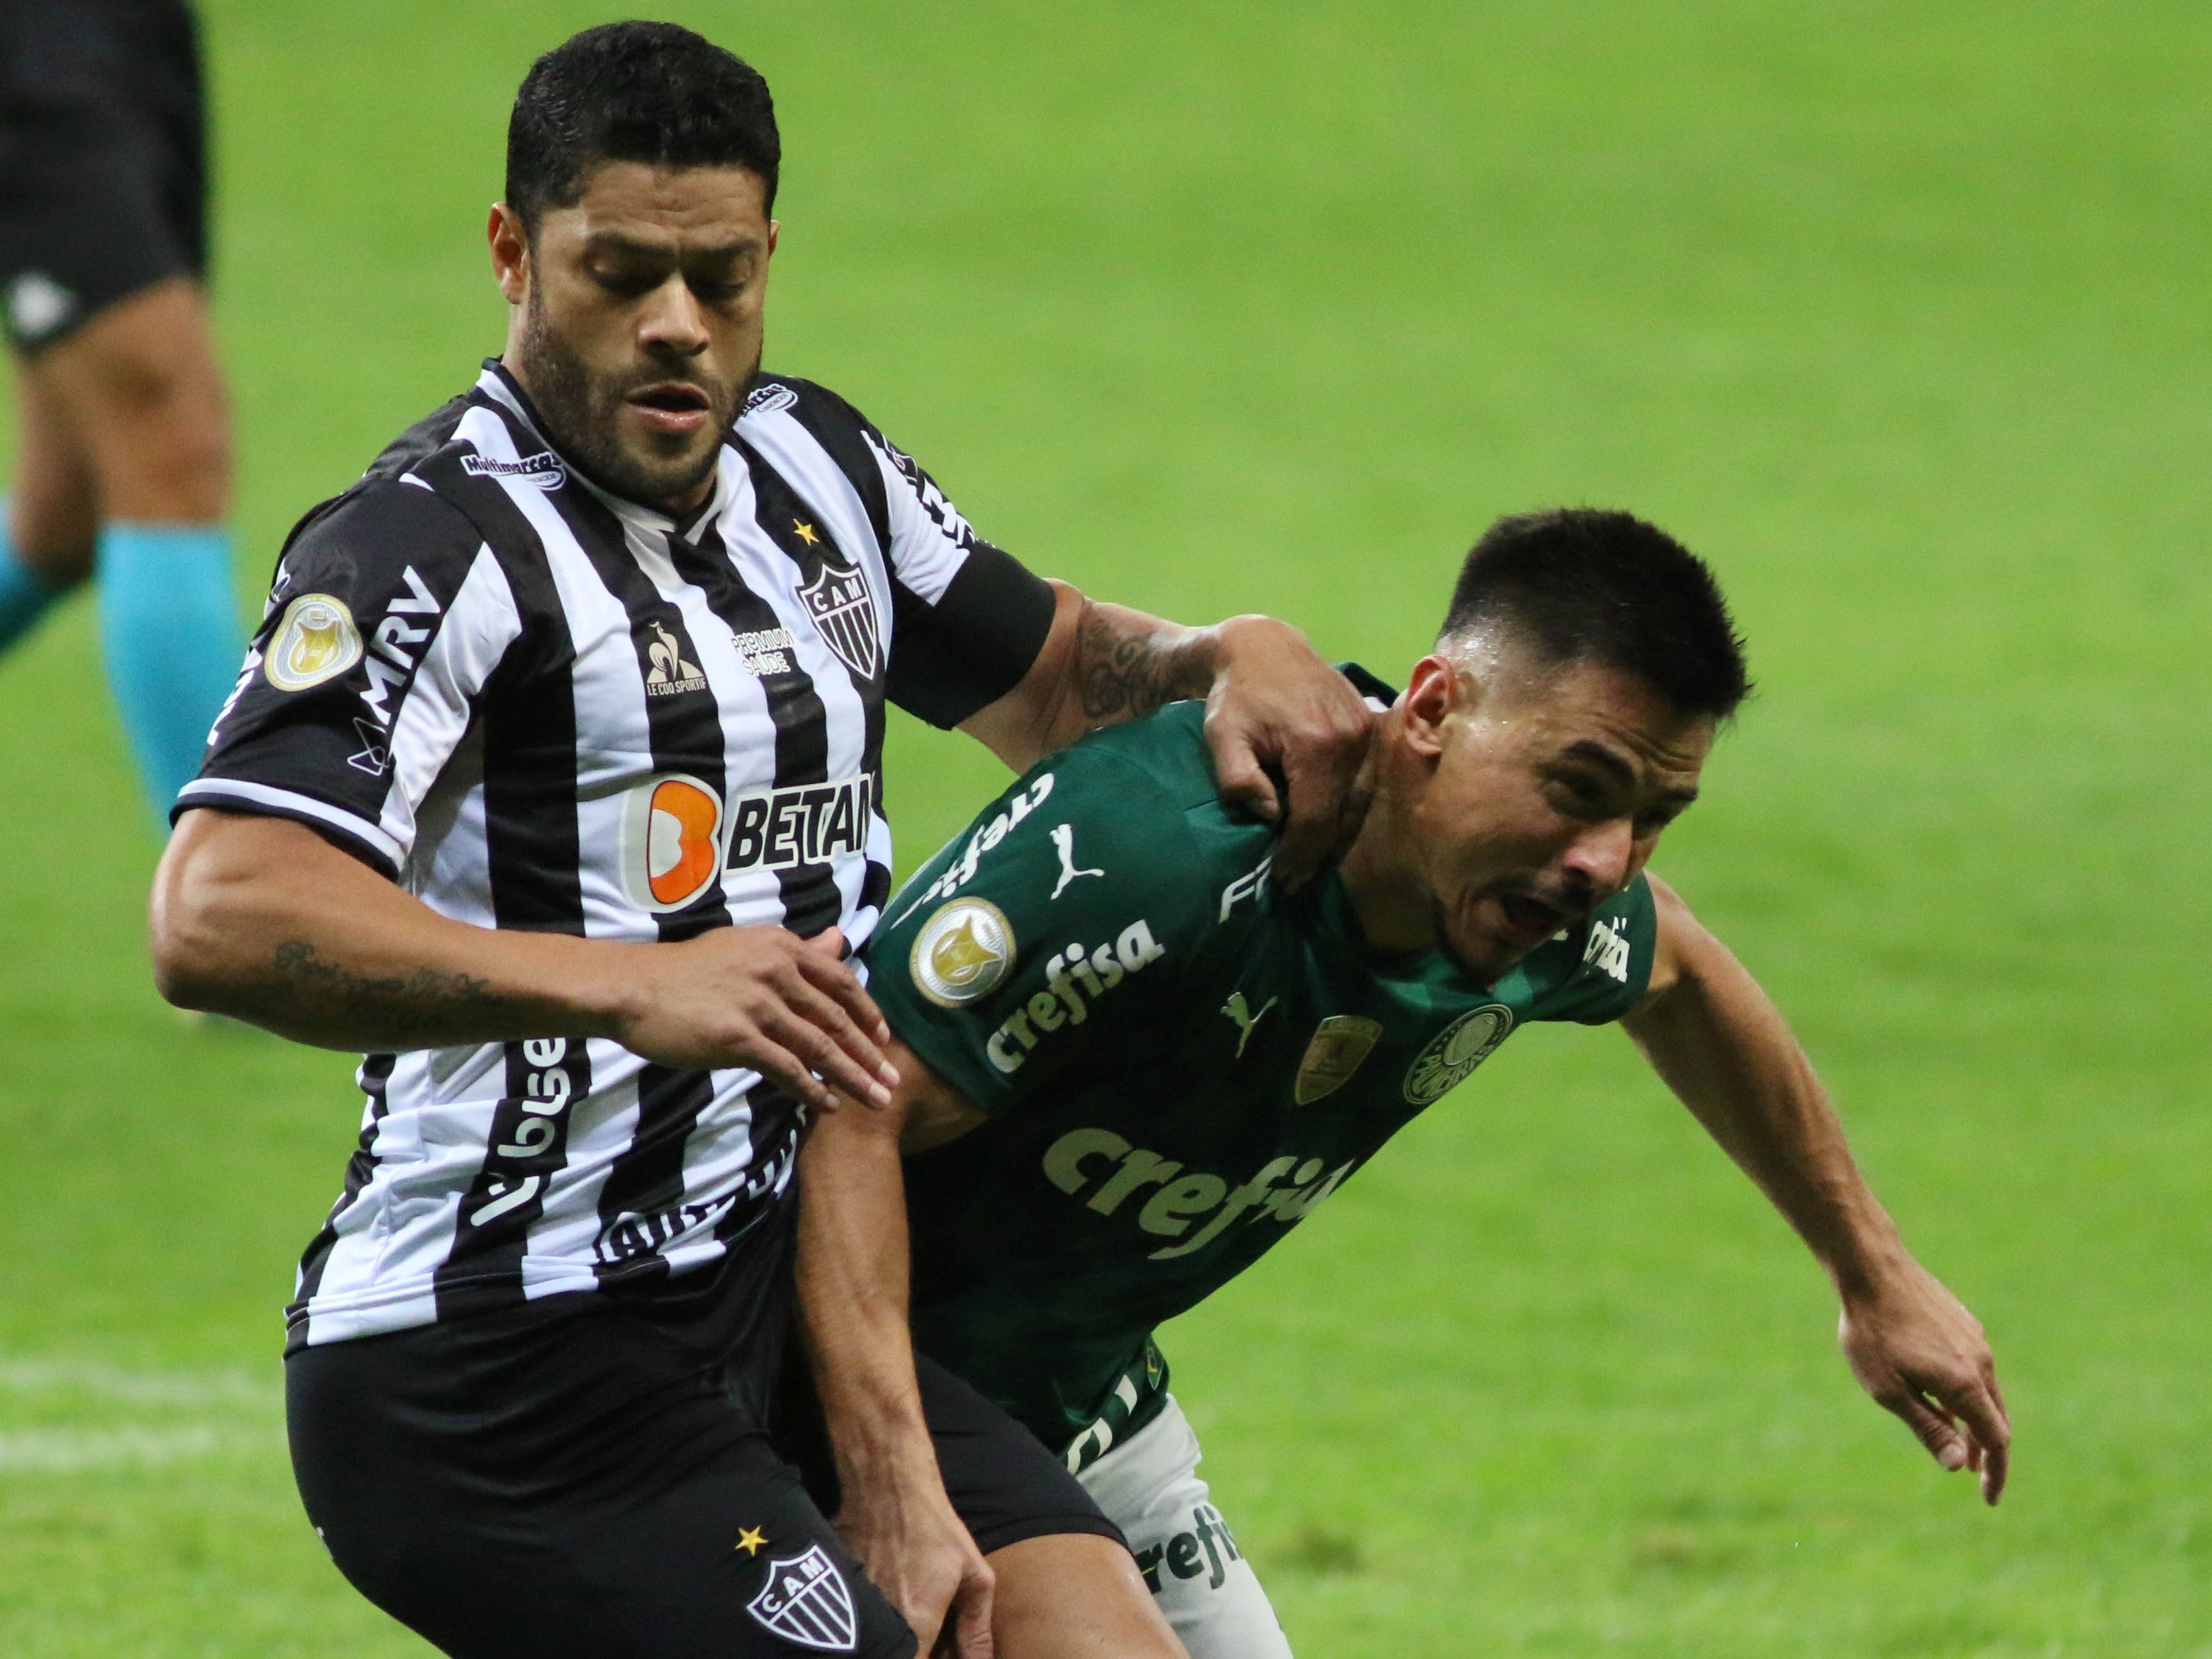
(1579,585)
(634,92)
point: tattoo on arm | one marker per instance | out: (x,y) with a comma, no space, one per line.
(1124,674)
(427,993)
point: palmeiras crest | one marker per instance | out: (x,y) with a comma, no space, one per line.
(845,615)
(806,1601)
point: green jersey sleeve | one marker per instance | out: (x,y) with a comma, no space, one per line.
(1599,971)
(1060,918)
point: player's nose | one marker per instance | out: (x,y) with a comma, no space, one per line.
(671,321)
(1603,855)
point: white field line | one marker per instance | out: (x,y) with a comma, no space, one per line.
(140,1418)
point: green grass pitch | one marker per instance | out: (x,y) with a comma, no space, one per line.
(1898,311)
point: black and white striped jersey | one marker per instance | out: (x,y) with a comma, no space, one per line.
(535,706)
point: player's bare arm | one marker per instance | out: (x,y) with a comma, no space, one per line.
(263,920)
(1274,709)
(852,1273)
(1058,1596)
(1722,1047)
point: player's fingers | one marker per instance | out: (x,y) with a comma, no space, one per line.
(833,1060)
(1992,1434)
(781,1068)
(1308,840)
(831,976)
(1237,772)
(829,995)
(1944,1443)
(1995,1466)
(972,1618)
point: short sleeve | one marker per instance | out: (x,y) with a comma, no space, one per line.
(1067,913)
(388,616)
(968,619)
(1611,958)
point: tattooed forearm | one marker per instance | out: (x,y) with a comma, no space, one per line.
(426,995)
(1126,666)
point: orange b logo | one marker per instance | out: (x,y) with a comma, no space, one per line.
(673,841)
(680,847)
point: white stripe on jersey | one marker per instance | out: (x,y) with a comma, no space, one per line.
(213,792)
(441,1200)
(479,625)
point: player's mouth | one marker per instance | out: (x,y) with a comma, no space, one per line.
(1528,920)
(676,407)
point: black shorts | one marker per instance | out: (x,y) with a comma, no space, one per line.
(103,159)
(578,1480)
(1000,1478)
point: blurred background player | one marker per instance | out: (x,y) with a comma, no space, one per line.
(123,433)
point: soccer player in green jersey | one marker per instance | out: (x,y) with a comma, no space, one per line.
(1132,1063)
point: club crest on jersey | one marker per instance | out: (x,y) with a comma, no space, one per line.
(1455,1051)
(671,842)
(806,1601)
(1340,1046)
(845,615)
(962,953)
(316,641)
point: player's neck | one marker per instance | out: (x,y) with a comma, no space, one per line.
(1383,880)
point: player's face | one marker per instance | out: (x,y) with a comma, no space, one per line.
(638,321)
(1549,792)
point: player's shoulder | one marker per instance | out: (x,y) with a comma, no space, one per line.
(1126,817)
(380,524)
(840,430)
(1148,775)
(807,401)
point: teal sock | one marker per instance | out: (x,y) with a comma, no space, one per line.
(23,597)
(168,630)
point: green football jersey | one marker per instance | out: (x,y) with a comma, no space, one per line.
(1179,1060)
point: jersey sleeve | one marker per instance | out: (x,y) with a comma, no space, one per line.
(388,616)
(967,619)
(1611,958)
(1056,923)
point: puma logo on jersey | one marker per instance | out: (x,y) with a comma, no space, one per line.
(1240,1015)
(1070,975)
(1607,949)
(1105,1170)
(1063,843)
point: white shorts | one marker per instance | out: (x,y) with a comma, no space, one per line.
(1148,1485)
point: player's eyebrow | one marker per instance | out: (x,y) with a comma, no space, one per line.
(1611,761)
(613,241)
(1598,755)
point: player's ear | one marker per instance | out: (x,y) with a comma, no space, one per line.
(510,252)
(1434,691)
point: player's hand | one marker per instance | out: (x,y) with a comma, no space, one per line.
(763,998)
(915,1550)
(1916,1349)
(1277,712)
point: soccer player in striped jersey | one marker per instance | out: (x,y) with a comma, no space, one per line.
(1132,1064)
(552,781)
